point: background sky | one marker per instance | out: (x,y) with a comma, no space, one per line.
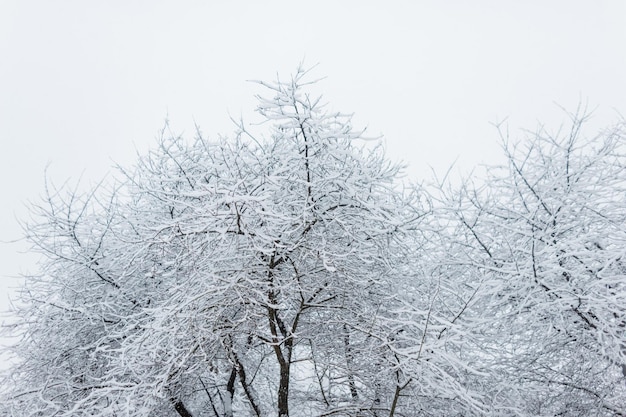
(86,84)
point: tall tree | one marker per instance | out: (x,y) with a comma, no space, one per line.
(547,230)
(221,276)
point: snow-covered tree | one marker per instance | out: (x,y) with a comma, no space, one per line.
(547,232)
(256,275)
(286,271)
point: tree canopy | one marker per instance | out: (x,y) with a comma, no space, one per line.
(287,271)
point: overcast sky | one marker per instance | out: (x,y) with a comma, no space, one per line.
(84,84)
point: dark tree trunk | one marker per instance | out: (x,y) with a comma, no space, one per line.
(181,409)
(230,393)
(248,390)
(351,383)
(283,392)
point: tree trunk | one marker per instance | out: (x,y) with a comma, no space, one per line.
(351,383)
(394,403)
(283,391)
(230,393)
(248,389)
(181,409)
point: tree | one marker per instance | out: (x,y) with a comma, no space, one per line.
(547,232)
(255,273)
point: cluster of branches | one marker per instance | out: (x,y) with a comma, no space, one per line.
(289,274)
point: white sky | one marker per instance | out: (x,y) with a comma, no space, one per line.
(85,83)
